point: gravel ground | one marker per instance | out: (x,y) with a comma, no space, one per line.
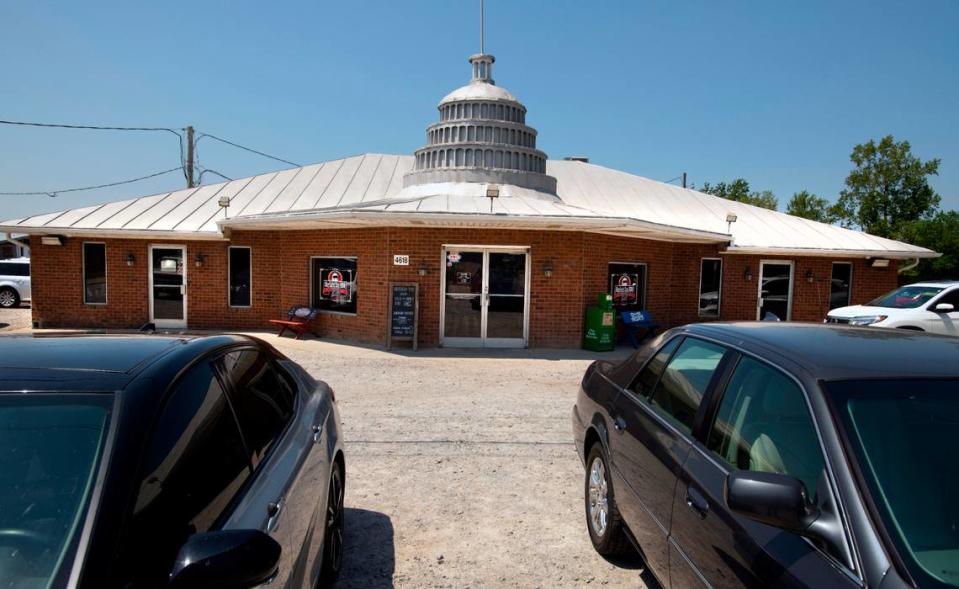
(460,468)
(15,319)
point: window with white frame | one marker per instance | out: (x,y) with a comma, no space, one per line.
(94,273)
(240,275)
(710,286)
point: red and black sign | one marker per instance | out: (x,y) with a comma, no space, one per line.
(337,285)
(625,289)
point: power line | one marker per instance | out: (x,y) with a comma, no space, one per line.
(53,193)
(237,145)
(93,127)
(199,179)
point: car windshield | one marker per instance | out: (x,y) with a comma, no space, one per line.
(50,445)
(903,436)
(906,297)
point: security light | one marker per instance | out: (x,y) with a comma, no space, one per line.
(880,263)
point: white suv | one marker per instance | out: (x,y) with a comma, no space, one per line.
(14,282)
(924,306)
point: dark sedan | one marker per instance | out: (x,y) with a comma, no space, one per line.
(777,455)
(160,461)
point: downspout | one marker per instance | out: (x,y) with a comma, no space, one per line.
(908,267)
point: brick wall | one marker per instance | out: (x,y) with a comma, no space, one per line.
(281,278)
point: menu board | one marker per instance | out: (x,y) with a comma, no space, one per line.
(404,304)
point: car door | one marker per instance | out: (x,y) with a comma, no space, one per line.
(652,423)
(762,423)
(290,470)
(192,471)
(943,322)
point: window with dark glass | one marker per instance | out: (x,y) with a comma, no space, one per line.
(240,274)
(841,290)
(649,375)
(262,398)
(14,269)
(710,279)
(194,465)
(334,284)
(94,273)
(763,425)
(627,285)
(685,380)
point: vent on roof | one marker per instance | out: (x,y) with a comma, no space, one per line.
(577,158)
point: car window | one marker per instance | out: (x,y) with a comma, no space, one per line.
(763,425)
(193,466)
(951,297)
(14,269)
(262,398)
(649,375)
(684,381)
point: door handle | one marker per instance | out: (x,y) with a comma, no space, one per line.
(619,424)
(317,432)
(273,510)
(696,502)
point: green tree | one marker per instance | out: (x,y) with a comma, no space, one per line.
(887,189)
(940,234)
(738,190)
(809,206)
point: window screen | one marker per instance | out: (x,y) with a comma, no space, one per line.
(334,284)
(94,273)
(627,285)
(240,274)
(710,276)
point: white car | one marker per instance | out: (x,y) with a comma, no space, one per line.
(14,282)
(924,306)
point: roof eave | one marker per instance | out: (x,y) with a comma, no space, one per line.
(815,252)
(94,232)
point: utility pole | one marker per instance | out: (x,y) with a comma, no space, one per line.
(684,179)
(189,157)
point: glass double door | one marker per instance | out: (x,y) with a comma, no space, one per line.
(168,286)
(485,296)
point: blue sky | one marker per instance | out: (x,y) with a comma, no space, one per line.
(775,92)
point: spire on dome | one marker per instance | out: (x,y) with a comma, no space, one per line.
(482,68)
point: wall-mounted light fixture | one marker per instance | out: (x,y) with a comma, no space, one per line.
(131,259)
(424,269)
(748,274)
(199,259)
(51,240)
(880,263)
(548,268)
(810,276)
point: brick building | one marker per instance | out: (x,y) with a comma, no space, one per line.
(506,246)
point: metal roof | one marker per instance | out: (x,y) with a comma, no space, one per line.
(367,190)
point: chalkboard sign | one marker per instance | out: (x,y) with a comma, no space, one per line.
(404,308)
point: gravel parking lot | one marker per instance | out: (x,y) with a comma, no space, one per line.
(15,319)
(460,468)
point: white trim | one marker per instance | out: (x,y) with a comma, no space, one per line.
(83,273)
(167,323)
(310,273)
(719,300)
(789,296)
(836,253)
(852,267)
(229,276)
(483,341)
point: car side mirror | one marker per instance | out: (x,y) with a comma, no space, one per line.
(775,499)
(944,308)
(228,559)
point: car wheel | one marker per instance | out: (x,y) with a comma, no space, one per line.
(333,539)
(9,298)
(606,529)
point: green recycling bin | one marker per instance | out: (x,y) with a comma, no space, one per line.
(600,335)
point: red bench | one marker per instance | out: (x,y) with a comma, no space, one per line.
(298,320)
